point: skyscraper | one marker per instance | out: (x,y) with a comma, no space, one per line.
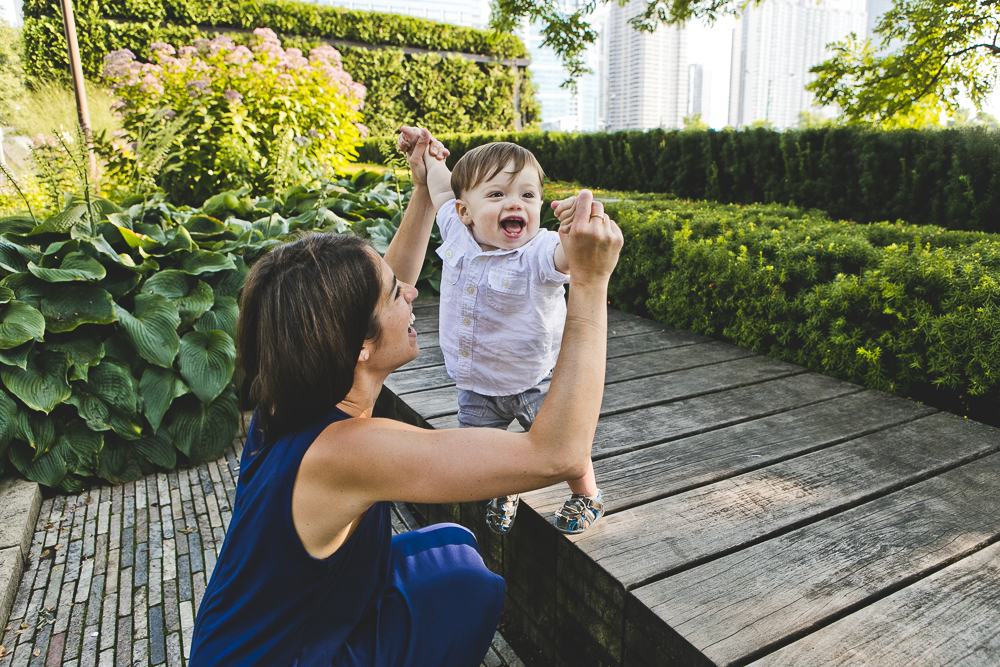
(699,91)
(646,74)
(774,46)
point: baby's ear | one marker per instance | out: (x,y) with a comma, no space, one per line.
(463,212)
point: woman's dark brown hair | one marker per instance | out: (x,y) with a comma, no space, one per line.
(306,309)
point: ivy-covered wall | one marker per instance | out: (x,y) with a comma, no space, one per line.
(443,93)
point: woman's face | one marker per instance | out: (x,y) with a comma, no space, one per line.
(397,344)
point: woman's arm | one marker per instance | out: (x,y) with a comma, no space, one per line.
(407,249)
(359,461)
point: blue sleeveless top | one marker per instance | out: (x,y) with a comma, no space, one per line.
(269,602)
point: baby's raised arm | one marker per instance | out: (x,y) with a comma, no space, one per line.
(438,181)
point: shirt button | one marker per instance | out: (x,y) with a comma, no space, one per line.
(506,283)
(447,253)
(470,289)
(466,321)
(465,353)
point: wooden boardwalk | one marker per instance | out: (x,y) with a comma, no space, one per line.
(757,514)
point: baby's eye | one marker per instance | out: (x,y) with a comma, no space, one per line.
(529,195)
(495,194)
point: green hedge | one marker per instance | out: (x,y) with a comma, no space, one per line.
(445,94)
(949,178)
(914,310)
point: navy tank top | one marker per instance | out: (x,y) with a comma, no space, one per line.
(269,602)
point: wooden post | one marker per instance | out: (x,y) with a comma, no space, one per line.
(517,98)
(76,69)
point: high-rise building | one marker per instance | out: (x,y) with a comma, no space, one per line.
(646,74)
(471,14)
(563,109)
(699,91)
(774,46)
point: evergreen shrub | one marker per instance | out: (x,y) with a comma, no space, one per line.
(909,309)
(949,177)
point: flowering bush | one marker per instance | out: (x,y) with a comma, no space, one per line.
(249,117)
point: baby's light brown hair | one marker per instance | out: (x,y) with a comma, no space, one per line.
(484,162)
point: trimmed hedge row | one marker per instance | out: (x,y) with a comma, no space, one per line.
(450,94)
(913,310)
(949,178)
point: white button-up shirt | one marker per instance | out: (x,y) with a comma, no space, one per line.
(502,312)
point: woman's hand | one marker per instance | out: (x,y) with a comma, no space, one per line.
(414,141)
(590,239)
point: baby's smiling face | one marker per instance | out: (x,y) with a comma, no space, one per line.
(505,211)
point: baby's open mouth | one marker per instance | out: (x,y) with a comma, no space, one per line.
(513,227)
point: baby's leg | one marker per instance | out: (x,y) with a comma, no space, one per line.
(586,485)
(478,411)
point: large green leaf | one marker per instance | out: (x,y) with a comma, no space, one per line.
(120,281)
(6,295)
(204,261)
(15,257)
(35,428)
(223,316)
(84,351)
(204,432)
(42,385)
(152,329)
(68,305)
(192,296)
(118,462)
(48,469)
(207,362)
(158,449)
(80,447)
(17,356)
(136,240)
(229,283)
(65,306)
(20,323)
(8,419)
(204,226)
(158,388)
(75,266)
(178,239)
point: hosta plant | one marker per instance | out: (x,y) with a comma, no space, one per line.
(117,323)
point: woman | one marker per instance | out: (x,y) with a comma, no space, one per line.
(309,573)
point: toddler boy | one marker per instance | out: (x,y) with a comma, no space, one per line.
(503,307)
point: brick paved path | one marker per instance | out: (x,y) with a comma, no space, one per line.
(116,573)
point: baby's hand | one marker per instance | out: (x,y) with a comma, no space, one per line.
(565,209)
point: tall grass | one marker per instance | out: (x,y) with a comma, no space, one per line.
(51,106)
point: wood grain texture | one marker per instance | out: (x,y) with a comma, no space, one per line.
(741,605)
(651,541)
(654,472)
(949,618)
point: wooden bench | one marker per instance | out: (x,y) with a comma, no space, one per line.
(757,514)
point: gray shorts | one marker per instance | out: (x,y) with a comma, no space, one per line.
(476,410)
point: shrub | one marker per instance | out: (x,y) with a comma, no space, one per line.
(117,323)
(949,177)
(247,114)
(904,308)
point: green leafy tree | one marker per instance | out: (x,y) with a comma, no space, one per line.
(929,55)
(694,123)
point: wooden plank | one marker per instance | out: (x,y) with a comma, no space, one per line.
(628,431)
(407,381)
(649,391)
(649,542)
(644,392)
(426,301)
(760,597)
(655,472)
(425,320)
(621,346)
(949,618)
